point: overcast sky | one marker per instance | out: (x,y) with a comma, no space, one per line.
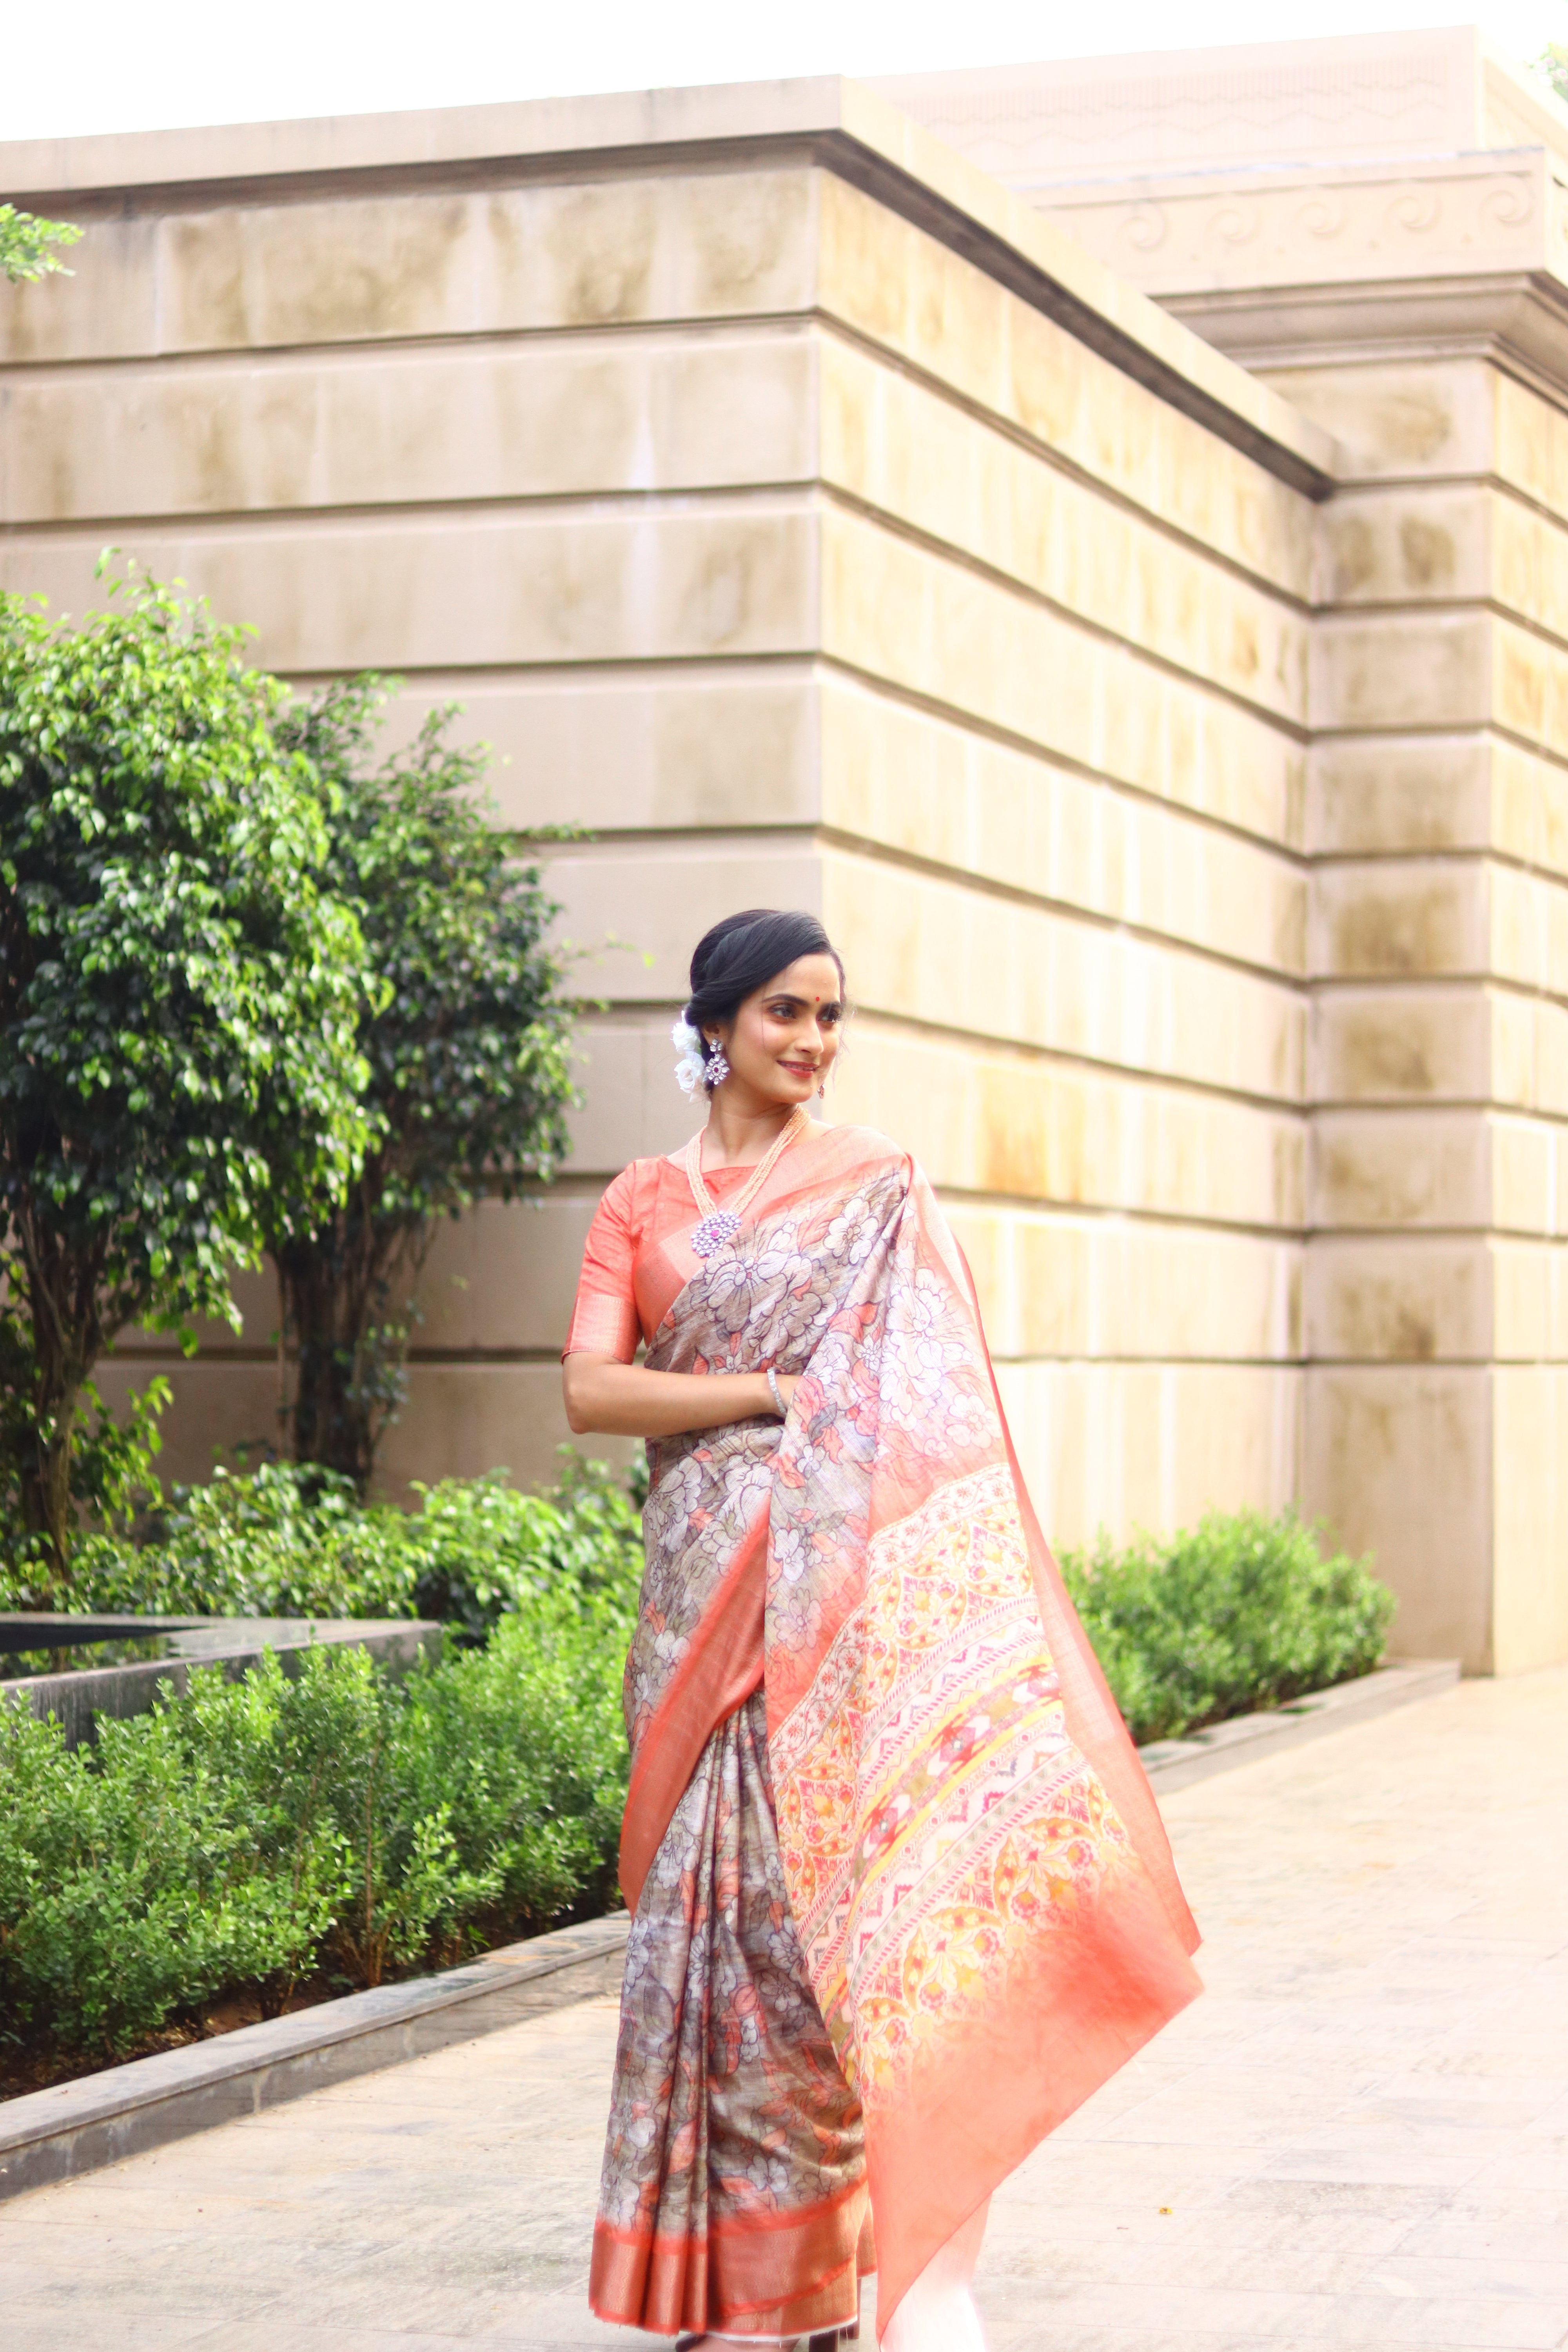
(106,64)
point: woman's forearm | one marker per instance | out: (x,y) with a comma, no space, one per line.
(605,1398)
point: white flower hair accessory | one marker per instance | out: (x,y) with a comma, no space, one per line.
(692,1055)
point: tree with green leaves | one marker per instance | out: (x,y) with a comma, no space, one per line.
(1552,64)
(180,1004)
(467,1043)
(28,245)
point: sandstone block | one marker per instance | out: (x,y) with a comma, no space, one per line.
(500,1279)
(1530,1285)
(1396,917)
(1530,445)
(632,1107)
(224,1411)
(1531,1475)
(1530,565)
(729,747)
(1530,807)
(635,912)
(1401,1042)
(1398,1298)
(462,1420)
(1400,417)
(1530,689)
(103,313)
(1388,670)
(1427,792)
(1399,1460)
(1527,1176)
(493,589)
(410,263)
(1120,1447)
(1529,1053)
(463,420)
(1529,928)
(1402,1168)
(1404,546)
(1032,1128)
(952,796)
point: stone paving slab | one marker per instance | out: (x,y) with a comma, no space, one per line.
(1360,2133)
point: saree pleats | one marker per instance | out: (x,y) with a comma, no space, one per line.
(735,2180)
(903,1896)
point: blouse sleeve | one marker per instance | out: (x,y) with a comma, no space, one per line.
(604,1320)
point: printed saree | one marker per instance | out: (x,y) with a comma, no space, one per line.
(901,1895)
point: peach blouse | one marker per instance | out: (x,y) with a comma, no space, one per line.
(634,1262)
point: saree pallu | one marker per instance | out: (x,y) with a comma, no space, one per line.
(902,1897)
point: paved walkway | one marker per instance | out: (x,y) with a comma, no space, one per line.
(1358,2139)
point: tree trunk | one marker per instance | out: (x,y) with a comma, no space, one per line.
(346,1293)
(66,1340)
(46,1484)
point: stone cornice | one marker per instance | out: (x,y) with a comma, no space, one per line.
(1455,253)
(1273,231)
(1520,319)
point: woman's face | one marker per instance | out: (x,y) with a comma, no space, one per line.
(783,1040)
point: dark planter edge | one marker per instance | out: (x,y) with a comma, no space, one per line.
(79,2127)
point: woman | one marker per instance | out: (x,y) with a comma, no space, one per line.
(901,1897)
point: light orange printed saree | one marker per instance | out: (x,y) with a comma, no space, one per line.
(902,1898)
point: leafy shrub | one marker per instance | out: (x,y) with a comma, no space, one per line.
(1240,1611)
(289,1542)
(111,1477)
(482,1549)
(141,1879)
(253,1830)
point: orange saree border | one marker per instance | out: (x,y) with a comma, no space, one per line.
(721,1668)
(996,2085)
(741,2273)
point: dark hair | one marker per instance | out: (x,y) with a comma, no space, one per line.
(743,952)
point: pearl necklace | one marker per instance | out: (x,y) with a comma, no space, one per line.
(718,1227)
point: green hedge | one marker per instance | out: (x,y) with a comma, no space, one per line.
(1240,1611)
(252,1833)
(254,1830)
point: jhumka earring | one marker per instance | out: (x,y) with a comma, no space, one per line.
(717,1068)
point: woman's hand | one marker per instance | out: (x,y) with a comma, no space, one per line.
(605,1398)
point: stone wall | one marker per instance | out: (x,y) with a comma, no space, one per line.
(1437,1282)
(1414,302)
(819,525)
